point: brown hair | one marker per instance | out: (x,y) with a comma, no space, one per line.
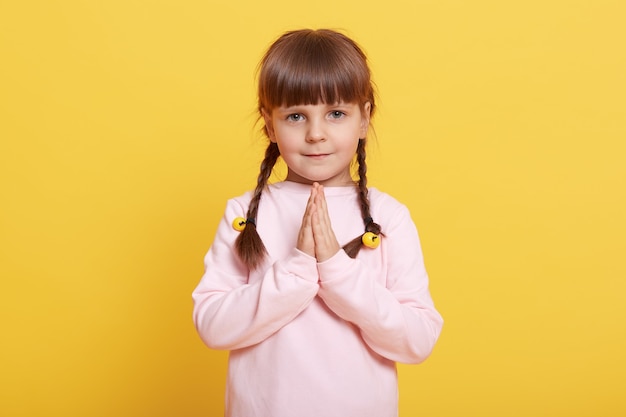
(309,67)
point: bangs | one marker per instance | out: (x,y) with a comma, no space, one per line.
(314,69)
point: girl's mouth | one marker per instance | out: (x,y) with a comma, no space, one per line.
(317,155)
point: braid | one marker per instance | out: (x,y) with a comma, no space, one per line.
(249,245)
(353,247)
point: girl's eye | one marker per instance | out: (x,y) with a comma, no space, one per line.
(336,114)
(296,117)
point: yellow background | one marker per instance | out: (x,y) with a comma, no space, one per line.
(126,124)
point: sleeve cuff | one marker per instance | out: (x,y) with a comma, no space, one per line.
(335,267)
(300,264)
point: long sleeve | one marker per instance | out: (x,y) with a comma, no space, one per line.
(312,339)
(394,313)
(234,308)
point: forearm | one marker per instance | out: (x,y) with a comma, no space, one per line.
(400,324)
(230,314)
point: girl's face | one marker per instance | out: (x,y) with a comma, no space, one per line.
(318,141)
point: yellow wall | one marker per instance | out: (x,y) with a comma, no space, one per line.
(126,124)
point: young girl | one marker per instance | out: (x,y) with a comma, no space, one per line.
(315,284)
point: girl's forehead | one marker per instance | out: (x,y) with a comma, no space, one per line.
(320,104)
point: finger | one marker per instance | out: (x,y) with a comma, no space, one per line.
(326,244)
(311,200)
(306,242)
(321,196)
(320,201)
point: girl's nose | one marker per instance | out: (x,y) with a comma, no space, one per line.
(315,132)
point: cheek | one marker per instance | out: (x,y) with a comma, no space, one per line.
(351,138)
(286,138)
(284,146)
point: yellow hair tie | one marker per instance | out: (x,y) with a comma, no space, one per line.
(239,224)
(371,240)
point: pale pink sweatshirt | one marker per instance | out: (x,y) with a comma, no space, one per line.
(310,339)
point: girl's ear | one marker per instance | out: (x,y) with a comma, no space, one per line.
(269,127)
(365,119)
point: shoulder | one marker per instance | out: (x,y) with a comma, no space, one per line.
(387,210)
(242,202)
(239,205)
(384,203)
